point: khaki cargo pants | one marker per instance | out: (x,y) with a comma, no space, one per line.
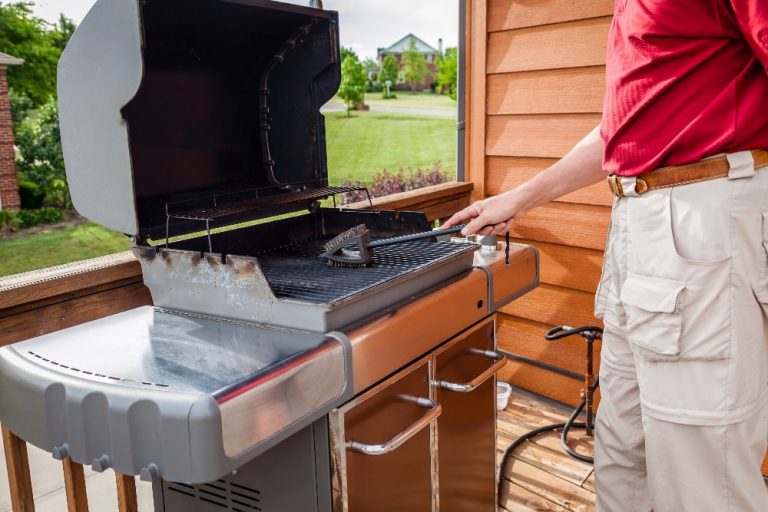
(683,421)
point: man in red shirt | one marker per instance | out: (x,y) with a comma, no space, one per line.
(683,420)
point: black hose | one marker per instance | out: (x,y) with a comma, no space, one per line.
(590,334)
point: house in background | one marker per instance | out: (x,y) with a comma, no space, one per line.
(430,55)
(9,184)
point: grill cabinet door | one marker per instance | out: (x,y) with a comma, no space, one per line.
(466,431)
(382,456)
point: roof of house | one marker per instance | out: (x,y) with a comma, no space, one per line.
(9,60)
(403,44)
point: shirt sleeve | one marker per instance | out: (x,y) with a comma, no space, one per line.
(752,17)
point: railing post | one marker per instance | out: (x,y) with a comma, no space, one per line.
(126,493)
(19,480)
(74,483)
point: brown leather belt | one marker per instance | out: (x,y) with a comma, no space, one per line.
(707,169)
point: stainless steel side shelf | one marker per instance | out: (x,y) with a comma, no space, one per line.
(154,393)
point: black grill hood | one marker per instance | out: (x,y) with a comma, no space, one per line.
(226,100)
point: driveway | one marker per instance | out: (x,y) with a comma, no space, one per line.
(421,112)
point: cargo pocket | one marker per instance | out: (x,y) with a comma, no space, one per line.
(762,290)
(654,321)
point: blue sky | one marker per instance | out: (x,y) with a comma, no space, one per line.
(365,24)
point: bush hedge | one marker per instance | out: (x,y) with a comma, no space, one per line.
(385,182)
(14,221)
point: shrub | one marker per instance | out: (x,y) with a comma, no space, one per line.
(28,218)
(31,195)
(385,182)
(13,221)
(50,215)
(9,221)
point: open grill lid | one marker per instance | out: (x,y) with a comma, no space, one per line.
(175,112)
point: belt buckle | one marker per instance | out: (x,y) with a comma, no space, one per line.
(615,185)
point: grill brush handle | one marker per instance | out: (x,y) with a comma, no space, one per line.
(358,238)
(415,237)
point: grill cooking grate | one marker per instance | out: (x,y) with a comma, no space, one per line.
(298,272)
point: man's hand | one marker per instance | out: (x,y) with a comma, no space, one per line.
(492,216)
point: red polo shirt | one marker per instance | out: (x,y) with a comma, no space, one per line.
(685,79)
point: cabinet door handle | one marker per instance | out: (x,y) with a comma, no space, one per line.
(401,437)
(498,362)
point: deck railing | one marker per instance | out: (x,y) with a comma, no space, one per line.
(44,301)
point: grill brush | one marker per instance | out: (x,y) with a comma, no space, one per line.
(354,249)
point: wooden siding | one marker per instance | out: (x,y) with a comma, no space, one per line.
(564,91)
(511,14)
(570,44)
(544,83)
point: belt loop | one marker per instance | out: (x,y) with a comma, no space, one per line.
(615,186)
(629,186)
(742,165)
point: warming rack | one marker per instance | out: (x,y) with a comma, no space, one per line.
(247,205)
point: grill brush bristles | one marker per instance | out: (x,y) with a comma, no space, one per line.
(339,253)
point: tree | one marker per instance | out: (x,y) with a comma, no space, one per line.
(370,63)
(414,65)
(354,81)
(39,44)
(62,32)
(390,72)
(448,72)
(389,69)
(345,52)
(40,157)
(33,97)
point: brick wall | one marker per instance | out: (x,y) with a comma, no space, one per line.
(9,186)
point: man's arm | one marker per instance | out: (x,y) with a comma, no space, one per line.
(582,166)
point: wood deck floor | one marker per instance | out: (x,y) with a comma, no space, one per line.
(541,476)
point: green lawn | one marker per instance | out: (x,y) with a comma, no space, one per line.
(407,99)
(358,147)
(57,246)
(364,144)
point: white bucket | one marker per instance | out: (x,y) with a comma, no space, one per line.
(503,391)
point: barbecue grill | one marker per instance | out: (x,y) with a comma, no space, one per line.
(194,126)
